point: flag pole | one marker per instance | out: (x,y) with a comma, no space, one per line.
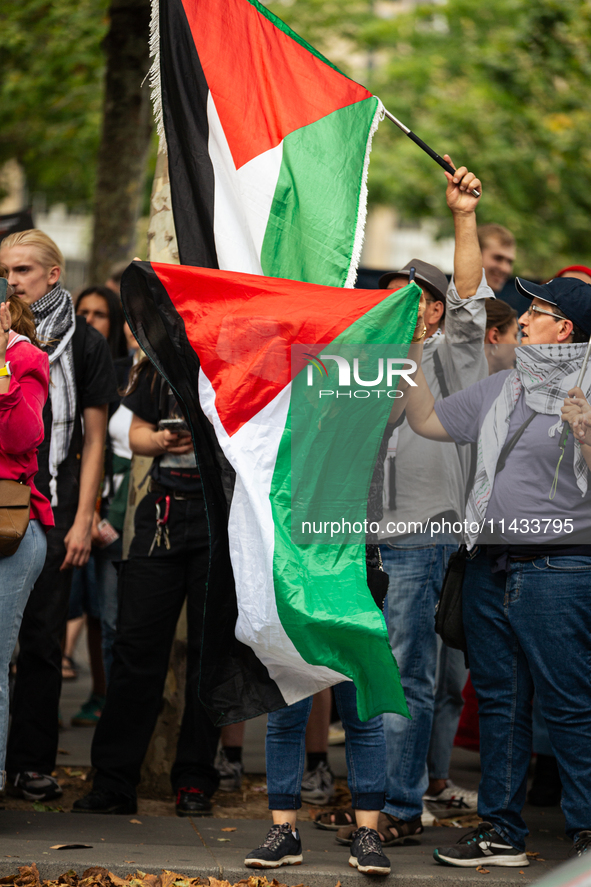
(446,166)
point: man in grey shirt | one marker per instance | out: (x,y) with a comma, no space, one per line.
(429,486)
(526,609)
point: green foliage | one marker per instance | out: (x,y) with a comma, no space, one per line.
(51,87)
(501,86)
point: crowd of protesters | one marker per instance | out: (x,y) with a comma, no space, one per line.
(77,400)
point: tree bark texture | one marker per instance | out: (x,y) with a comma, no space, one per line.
(162,247)
(125,139)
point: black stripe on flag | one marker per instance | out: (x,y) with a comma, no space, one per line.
(184,102)
(234,684)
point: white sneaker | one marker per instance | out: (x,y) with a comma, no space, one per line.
(318,785)
(230,773)
(452,801)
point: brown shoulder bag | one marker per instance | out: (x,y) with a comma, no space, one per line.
(15,511)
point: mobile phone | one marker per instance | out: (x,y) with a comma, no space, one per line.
(3,289)
(175,426)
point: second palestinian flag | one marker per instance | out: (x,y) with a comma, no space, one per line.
(305,617)
(268,143)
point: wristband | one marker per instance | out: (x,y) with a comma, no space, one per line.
(5,370)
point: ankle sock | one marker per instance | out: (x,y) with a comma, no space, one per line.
(233,753)
(315,757)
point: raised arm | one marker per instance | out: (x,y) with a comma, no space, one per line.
(467,255)
(420,411)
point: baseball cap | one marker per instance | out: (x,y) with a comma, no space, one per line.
(571,295)
(427,275)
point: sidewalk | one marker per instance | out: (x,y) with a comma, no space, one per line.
(199,846)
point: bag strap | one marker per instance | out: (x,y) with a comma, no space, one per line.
(510,445)
(78,343)
(438,367)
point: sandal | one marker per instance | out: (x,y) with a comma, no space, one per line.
(69,669)
(405,831)
(331,820)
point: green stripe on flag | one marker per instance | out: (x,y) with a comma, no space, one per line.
(321,590)
(309,234)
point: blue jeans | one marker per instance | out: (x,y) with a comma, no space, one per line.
(285,748)
(94,591)
(416,566)
(18,574)
(450,680)
(530,627)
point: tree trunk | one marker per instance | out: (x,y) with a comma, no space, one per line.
(125,139)
(162,247)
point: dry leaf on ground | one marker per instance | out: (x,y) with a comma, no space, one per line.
(228,829)
(482,870)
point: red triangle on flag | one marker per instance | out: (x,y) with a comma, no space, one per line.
(242,327)
(263,82)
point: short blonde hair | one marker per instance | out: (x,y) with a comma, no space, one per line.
(49,253)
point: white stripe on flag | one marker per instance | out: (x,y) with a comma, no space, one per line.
(252,452)
(242,199)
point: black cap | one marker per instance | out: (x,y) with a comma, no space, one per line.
(426,275)
(571,295)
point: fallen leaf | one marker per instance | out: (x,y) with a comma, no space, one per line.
(213,882)
(62,751)
(228,829)
(338,884)
(521,872)
(482,870)
(71,847)
(224,839)
(38,807)
(135,821)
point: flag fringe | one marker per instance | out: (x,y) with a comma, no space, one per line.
(154,74)
(362,211)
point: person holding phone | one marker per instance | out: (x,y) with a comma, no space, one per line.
(168,564)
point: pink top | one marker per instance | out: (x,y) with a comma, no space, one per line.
(21,420)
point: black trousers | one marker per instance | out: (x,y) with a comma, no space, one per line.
(33,739)
(152,590)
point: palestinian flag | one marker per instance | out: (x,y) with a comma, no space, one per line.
(268,143)
(257,349)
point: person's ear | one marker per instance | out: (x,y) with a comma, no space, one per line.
(54,275)
(492,335)
(565,332)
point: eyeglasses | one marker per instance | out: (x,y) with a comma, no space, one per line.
(535,308)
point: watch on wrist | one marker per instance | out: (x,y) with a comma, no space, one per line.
(5,370)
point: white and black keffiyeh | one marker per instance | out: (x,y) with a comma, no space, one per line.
(55,320)
(546,373)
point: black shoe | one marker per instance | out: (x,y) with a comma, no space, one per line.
(105,802)
(279,848)
(366,853)
(546,788)
(481,845)
(582,844)
(192,802)
(34,786)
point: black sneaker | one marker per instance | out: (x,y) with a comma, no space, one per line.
(482,844)
(34,786)
(366,853)
(582,844)
(193,802)
(279,848)
(105,802)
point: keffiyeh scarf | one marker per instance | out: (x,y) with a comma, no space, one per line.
(56,321)
(546,373)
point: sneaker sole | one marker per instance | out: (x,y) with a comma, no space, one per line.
(270,864)
(116,810)
(510,861)
(369,869)
(44,796)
